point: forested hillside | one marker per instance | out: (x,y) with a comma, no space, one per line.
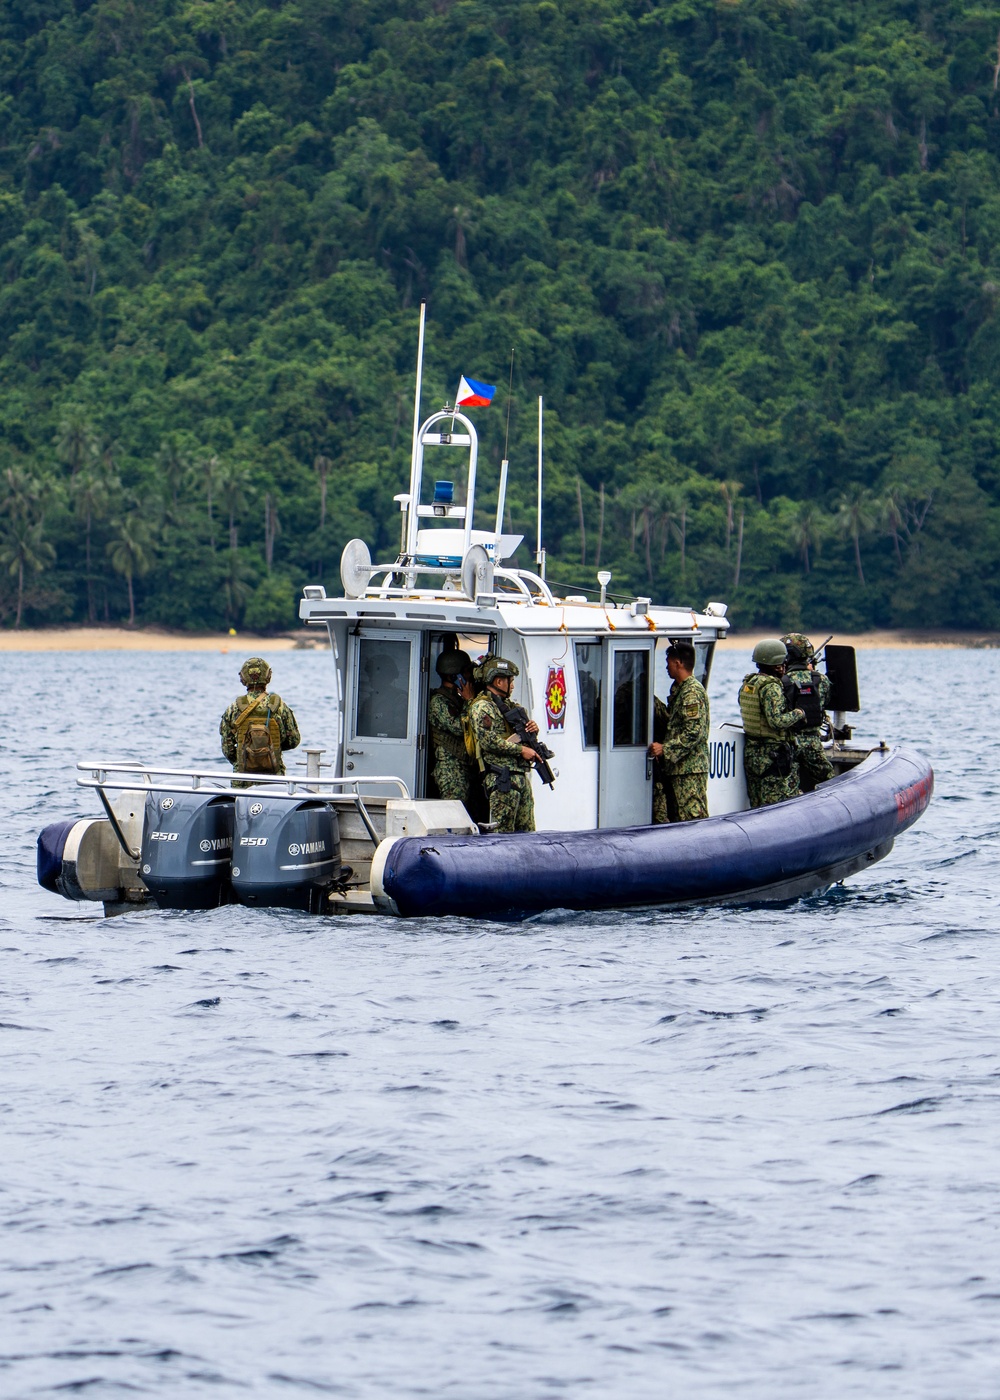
(748,250)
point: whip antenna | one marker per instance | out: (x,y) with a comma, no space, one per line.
(510,391)
(504,465)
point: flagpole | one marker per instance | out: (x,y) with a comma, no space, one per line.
(540,552)
(411,542)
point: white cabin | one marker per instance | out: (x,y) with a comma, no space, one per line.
(588,669)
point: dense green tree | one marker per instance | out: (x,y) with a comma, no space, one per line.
(749,251)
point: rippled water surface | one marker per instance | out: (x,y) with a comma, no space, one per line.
(623,1155)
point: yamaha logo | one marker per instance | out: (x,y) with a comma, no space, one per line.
(204,845)
(236,871)
(166,804)
(307,848)
(294,849)
(256,808)
(220,843)
(146,869)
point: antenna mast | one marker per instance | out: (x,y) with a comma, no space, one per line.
(504,465)
(411,504)
(539,551)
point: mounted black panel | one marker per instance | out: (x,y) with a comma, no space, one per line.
(842,669)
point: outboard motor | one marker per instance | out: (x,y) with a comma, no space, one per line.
(285,853)
(187,846)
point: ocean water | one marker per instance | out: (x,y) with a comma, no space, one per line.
(620,1155)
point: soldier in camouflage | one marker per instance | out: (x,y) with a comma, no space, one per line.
(454,770)
(808,689)
(769,752)
(505,762)
(680,743)
(257,727)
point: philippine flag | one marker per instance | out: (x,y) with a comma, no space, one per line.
(472,394)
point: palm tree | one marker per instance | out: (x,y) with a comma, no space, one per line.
(856,516)
(90,495)
(893,511)
(174,465)
(234,493)
(807,531)
(210,470)
(730,490)
(24,550)
(75,441)
(129,553)
(322,466)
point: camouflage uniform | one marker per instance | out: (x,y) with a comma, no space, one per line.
(660,816)
(684,764)
(511,808)
(255,674)
(454,768)
(813,763)
(763,755)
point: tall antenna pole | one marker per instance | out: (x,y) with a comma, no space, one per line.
(414,483)
(505,464)
(539,551)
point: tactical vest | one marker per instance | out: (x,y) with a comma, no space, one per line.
(755,726)
(804,695)
(258,736)
(451,744)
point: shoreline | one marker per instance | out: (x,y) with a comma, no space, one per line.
(159,639)
(155,639)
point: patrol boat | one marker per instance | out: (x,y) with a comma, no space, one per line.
(366,831)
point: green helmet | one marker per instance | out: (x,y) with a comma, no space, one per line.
(800,648)
(495,666)
(255,672)
(770,652)
(451,663)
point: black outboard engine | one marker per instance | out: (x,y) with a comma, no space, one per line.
(285,853)
(187,846)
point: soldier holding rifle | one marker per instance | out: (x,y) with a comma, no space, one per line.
(506,747)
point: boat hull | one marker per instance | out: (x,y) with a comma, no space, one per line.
(770,854)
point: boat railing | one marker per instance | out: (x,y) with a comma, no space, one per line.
(129,775)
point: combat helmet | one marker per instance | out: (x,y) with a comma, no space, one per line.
(770,652)
(495,666)
(453,663)
(799,647)
(255,672)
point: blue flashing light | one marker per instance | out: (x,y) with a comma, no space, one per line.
(444,493)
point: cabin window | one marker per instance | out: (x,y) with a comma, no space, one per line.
(703,652)
(631,713)
(383,688)
(590,674)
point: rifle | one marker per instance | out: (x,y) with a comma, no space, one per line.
(517,717)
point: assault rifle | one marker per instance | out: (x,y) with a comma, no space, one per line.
(517,717)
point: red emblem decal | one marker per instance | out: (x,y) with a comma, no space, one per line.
(555,697)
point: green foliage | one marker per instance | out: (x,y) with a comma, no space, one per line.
(749,251)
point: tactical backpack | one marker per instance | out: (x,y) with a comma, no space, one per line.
(258,737)
(803,694)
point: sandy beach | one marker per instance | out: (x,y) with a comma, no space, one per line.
(153,639)
(157,639)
